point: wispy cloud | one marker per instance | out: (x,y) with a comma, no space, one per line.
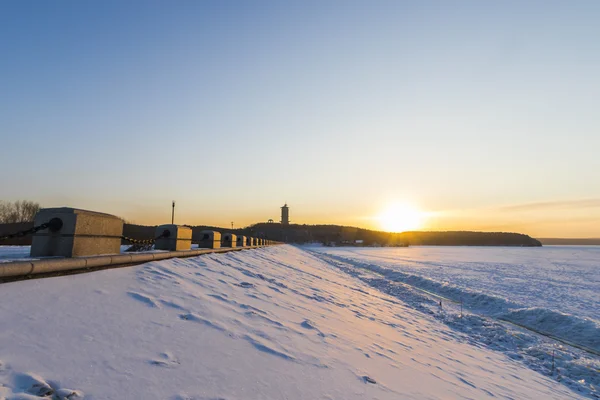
(548,205)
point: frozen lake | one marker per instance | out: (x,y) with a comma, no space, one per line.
(13,253)
(562,278)
(553,289)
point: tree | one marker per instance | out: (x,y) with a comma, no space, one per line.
(19,211)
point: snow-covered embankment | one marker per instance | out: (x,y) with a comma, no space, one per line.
(259,324)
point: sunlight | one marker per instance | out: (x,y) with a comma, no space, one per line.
(400,218)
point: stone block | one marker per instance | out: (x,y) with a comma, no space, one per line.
(209,240)
(175,237)
(77,233)
(228,240)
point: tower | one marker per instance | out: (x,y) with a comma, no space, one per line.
(285,215)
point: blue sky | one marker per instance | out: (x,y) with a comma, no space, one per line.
(473,112)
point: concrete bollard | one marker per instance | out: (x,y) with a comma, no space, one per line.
(76,233)
(176,237)
(241,241)
(209,240)
(228,240)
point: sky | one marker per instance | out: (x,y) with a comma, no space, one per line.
(476,115)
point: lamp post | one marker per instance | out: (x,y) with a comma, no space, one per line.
(173,213)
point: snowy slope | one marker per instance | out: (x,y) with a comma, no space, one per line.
(555,290)
(566,347)
(272,323)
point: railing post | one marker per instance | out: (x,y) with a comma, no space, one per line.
(173,237)
(80,233)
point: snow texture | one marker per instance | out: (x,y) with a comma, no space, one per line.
(270,323)
(426,276)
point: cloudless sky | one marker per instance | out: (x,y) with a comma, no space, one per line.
(484,115)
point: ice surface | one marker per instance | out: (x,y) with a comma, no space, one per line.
(562,278)
(425,276)
(14,253)
(270,323)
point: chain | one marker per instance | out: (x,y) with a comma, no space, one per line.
(138,241)
(138,244)
(143,244)
(54,224)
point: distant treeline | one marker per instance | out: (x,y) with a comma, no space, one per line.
(467,238)
(341,235)
(327,234)
(18,211)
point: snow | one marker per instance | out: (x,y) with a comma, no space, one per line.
(467,280)
(565,278)
(554,289)
(269,323)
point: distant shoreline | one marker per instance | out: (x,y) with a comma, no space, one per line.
(570,241)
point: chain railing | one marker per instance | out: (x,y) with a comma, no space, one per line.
(143,244)
(55,224)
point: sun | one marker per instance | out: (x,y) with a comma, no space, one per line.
(400,218)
